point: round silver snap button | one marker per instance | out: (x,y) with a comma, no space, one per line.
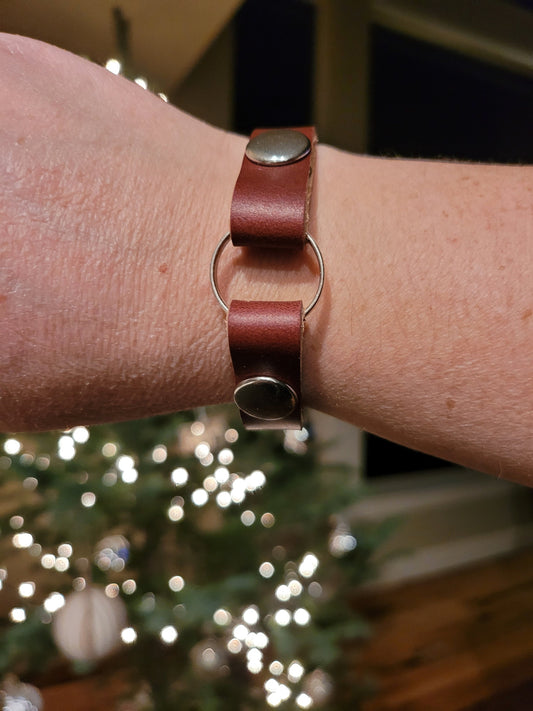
(265,398)
(278,147)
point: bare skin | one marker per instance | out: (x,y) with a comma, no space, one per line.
(111,203)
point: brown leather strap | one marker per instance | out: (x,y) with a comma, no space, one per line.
(270,208)
(270,205)
(265,340)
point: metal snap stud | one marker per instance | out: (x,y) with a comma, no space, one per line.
(278,147)
(265,398)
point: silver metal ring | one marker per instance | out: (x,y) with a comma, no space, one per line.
(218,251)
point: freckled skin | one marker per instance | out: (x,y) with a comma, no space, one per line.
(110,209)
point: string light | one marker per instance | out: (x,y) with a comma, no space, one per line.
(169,634)
(266,570)
(17,614)
(179,476)
(12,446)
(304,701)
(128,635)
(26,589)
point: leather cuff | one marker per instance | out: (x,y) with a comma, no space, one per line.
(270,209)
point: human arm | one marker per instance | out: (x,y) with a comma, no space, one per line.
(111,204)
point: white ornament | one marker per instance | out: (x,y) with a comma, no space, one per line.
(20,697)
(88,626)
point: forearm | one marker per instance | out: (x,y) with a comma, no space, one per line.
(423,334)
(428,334)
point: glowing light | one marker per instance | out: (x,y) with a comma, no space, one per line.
(202,450)
(125,462)
(175,513)
(109,449)
(179,476)
(80,435)
(199,497)
(266,569)
(250,640)
(43,462)
(261,640)
(35,550)
(12,446)
(342,543)
(240,632)
(17,614)
(251,616)
(109,478)
(27,589)
(209,658)
(238,495)
(176,583)
(113,66)
(129,476)
(284,692)
(283,593)
(112,590)
(62,564)
(129,586)
(88,499)
(304,701)
(234,646)
(225,456)
(282,617)
(315,589)
(30,483)
(308,566)
(248,518)
(271,685)
(255,480)
(276,668)
(65,550)
(66,452)
(210,484)
(274,699)
(197,428)
(295,587)
(54,602)
(222,617)
(222,475)
(162,96)
(231,435)
(26,459)
(16,522)
(48,561)
(254,666)
(169,634)
(302,616)
(159,454)
(128,635)
(207,461)
(295,671)
(22,540)
(103,561)
(268,520)
(223,499)
(141,81)
(79,584)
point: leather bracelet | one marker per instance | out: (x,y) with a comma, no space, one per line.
(270,208)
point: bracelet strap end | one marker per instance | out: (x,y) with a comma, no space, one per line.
(265,340)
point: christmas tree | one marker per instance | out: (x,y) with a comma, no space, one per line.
(217,560)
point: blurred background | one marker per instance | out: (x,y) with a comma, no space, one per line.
(449,602)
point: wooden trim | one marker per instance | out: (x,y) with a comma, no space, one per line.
(491,31)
